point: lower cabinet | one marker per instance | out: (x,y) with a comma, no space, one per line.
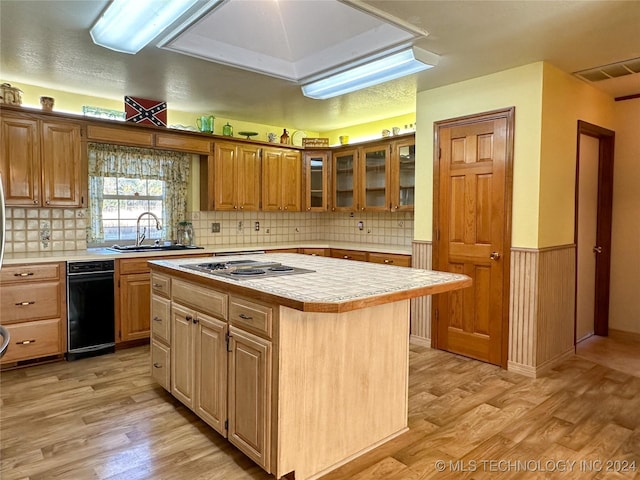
(250,395)
(220,365)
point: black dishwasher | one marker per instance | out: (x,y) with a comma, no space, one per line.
(90,309)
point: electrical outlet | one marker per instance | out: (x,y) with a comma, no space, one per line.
(215,227)
(360,225)
(256,226)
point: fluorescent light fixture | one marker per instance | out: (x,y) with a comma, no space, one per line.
(380,70)
(128,25)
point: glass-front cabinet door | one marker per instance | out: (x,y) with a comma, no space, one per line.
(316,166)
(344,180)
(375,178)
(404,175)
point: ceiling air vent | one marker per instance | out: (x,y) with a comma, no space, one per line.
(613,70)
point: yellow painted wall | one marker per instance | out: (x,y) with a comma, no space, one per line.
(624,309)
(520,87)
(565,100)
(372,130)
(69,102)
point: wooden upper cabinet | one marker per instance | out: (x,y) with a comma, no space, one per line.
(316,180)
(281,180)
(344,180)
(61,165)
(248,177)
(235,177)
(373,174)
(403,174)
(42,163)
(20,163)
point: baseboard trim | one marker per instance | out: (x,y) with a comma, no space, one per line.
(558,359)
(623,335)
(526,370)
(422,341)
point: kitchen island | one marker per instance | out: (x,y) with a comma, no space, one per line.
(301,372)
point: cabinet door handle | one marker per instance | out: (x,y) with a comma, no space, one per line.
(24,304)
(35,202)
(188,318)
(245,317)
(23,274)
(157,285)
(157,365)
(386,260)
(157,319)
(26,342)
(347,257)
(195,320)
(48,202)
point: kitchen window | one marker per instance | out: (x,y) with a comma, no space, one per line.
(127,181)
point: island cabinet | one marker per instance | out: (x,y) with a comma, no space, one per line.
(230,178)
(41,162)
(281,180)
(280,357)
(33,309)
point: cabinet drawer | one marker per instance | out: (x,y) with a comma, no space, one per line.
(33,340)
(251,316)
(200,298)
(316,252)
(33,302)
(133,265)
(183,142)
(30,273)
(160,285)
(161,318)
(390,259)
(160,364)
(349,254)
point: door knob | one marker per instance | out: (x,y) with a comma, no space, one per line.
(494,255)
(597,249)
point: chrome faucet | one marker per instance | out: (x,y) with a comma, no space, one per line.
(141,236)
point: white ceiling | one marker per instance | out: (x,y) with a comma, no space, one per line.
(47,43)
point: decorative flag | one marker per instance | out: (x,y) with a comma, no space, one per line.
(148,112)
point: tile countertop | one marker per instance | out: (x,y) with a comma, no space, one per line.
(336,285)
(105,254)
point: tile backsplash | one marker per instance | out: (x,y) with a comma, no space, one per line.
(45,229)
(55,229)
(239,228)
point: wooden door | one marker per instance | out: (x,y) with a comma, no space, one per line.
(291,180)
(472,232)
(249,177)
(182,355)
(210,402)
(250,395)
(601,249)
(225,174)
(61,165)
(135,306)
(271,180)
(20,162)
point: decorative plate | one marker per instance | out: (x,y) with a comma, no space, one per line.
(248,134)
(296,138)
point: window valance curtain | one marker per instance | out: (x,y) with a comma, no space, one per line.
(107,160)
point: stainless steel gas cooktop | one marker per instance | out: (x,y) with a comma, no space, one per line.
(247,269)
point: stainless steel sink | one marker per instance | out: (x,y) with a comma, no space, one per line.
(150,248)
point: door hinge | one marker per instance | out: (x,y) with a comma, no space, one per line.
(437,313)
(226,424)
(439,153)
(118,283)
(437,234)
(227,337)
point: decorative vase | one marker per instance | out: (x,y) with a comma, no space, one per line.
(284,138)
(227,130)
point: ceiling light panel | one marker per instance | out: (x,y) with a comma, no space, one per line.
(289,39)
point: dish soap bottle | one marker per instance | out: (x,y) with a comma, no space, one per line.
(227,130)
(284,138)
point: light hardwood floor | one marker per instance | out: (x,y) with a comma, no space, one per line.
(103,418)
(619,351)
